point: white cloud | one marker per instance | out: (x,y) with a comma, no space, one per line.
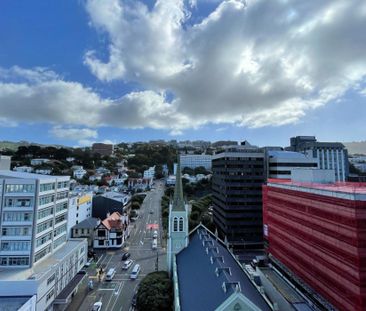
(73,133)
(254,63)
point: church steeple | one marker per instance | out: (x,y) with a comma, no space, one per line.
(178,221)
(178,200)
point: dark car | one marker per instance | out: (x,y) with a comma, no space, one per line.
(125,256)
(134,300)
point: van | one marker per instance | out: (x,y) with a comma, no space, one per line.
(154,244)
(110,274)
(135,272)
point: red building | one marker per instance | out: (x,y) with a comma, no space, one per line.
(318,232)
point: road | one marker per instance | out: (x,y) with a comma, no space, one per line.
(117,294)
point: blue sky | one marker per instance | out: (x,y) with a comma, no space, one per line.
(76,72)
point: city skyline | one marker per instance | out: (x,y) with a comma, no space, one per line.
(117,71)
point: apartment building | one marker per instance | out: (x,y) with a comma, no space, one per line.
(5,162)
(33,241)
(315,235)
(196,160)
(329,155)
(80,208)
(238,175)
(149,173)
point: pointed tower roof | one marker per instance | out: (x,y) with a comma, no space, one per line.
(178,200)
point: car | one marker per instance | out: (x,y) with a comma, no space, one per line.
(97,306)
(110,274)
(134,300)
(154,244)
(126,255)
(127,264)
(135,272)
(151,211)
(155,234)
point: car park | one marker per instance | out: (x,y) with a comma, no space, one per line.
(127,264)
(125,256)
(97,306)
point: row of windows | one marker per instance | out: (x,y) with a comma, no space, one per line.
(16,231)
(46,199)
(61,206)
(44,225)
(62,184)
(42,253)
(62,195)
(17,216)
(47,187)
(19,188)
(43,239)
(14,261)
(59,230)
(59,241)
(82,231)
(15,246)
(11,202)
(45,212)
(60,218)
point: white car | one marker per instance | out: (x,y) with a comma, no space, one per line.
(155,234)
(88,263)
(97,306)
(127,264)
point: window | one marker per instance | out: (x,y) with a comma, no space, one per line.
(46,199)
(60,218)
(15,246)
(19,188)
(51,279)
(76,231)
(18,261)
(47,187)
(59,241)
(44,225)
(50,295)
(62,184)
(17,216)
(60,230)
(62,195)
(175,224)
(61,207)
(15,231)
(43,239)
(45,212)
(42,253)
(82,231)
(181,224)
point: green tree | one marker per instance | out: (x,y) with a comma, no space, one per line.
(135,205)
(155,292)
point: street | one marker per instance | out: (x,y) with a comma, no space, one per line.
(117,294)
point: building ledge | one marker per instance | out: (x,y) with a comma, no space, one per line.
(66,293)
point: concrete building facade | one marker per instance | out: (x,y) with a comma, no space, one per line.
(80,208)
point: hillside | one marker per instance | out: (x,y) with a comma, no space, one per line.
(14,145)
(356,147)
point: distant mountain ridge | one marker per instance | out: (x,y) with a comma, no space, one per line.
(356,147)
(14,145)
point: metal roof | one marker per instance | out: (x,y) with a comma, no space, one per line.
(89,223)
(202,274)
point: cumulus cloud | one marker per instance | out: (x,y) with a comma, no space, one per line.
(73,133)
(253,63)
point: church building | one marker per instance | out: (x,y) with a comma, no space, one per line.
(205,274)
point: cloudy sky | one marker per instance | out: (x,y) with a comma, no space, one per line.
(76,72)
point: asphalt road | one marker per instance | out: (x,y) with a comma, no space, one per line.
(117,294)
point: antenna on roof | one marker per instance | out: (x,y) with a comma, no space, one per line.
(216,233)
(226,241)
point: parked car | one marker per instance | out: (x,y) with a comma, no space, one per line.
(97,306)
(127,264)
(155,234)
(110,274)
(154,244)
(134,300)
(88,263)
(125,256)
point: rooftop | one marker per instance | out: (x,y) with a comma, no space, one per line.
(41,267)
(13,303)
(113,221)
(341,187)
(89,223)
(286,154)
(23,175)
(212,269)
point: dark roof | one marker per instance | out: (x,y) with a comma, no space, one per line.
(89,223)
(66,292)
(102,206)
(199,286)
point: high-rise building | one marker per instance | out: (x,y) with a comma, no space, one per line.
(315,234)
(196,160)
(102,149)
(35,257)
(238,175)
(329,155)
(5,162)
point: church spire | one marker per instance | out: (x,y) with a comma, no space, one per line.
(178,200)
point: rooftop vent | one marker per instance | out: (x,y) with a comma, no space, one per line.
(234,285)
(212,248)
(220,270)
(216,258)
(208,242)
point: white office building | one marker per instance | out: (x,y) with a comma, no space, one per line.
(196,160)
(79,173)
(80,208)
(33,241)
